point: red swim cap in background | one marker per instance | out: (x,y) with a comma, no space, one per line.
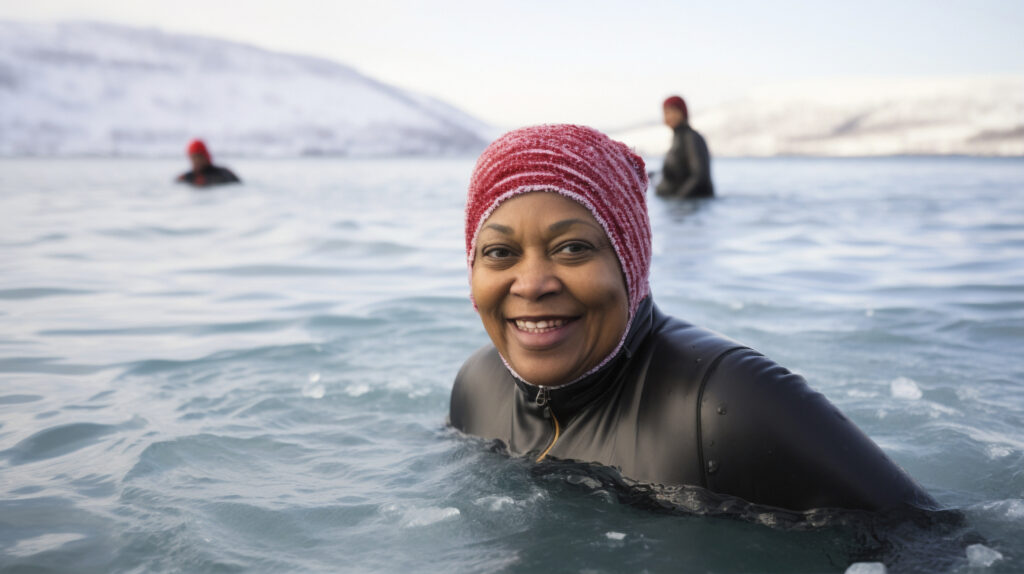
(198,147)
(582,164)
(677,103)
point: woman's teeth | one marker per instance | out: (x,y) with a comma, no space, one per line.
(539,326)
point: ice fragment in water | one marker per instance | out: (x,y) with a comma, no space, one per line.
(979,555)
(427,516)
(866,568)
(1013,508)
(313,390)
(615,535)
(412,517)
(998,451)
(357,390)
(495,502)
(904,388)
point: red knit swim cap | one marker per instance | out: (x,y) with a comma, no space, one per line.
(579,163)
(677,103)
(198,147)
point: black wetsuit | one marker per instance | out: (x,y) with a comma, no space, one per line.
(686,171)
(209,175)
(681,405)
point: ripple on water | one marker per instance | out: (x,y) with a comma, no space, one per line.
(217,458)
(57,441)
(40,292)
(49,365)
(19,399)
(32,541)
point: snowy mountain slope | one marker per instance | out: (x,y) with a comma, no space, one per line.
(860,117)
(78,88)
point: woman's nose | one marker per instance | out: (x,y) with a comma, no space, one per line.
(535,278)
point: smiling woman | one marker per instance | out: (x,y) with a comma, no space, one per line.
(584,366)
(548,288)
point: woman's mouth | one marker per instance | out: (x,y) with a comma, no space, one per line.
(540,326)
(542,333)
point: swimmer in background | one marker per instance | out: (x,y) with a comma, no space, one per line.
(583,365)
(204,173)
(686,172)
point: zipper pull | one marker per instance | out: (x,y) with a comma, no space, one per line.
(542,401)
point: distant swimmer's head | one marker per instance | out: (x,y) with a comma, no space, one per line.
(198,153)
(558,244)
(675,111)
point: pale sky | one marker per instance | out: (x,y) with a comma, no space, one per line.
(607,64)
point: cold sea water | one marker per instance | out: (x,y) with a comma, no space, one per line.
(256,378)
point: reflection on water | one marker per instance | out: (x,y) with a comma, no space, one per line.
(256,378)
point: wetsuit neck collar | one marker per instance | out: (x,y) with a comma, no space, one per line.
(566,399)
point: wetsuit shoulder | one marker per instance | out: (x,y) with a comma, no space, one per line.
(482,395)
(769,438)
(663,386)
(229,176)
(217,175)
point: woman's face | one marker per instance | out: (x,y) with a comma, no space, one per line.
(548,287)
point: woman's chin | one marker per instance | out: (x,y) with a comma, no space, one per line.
(545,373)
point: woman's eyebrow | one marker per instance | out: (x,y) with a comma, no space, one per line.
(560,226)
(504,229)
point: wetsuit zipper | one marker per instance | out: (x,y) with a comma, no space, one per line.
(543,401)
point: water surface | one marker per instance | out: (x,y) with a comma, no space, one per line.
(255,378)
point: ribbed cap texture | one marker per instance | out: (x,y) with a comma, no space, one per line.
(582,164)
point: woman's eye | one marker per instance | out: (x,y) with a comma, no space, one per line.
(498,252)
(574,248)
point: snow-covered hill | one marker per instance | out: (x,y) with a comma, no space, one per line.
(77,88)
(859,117)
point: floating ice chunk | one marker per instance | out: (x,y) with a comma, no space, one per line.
(866,568)
(998,451)
(904,388)
(314,391)
(357,390)
(495,503)
(1012,508)
(981,556)
(615,535)
(314,377)
(416,517)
